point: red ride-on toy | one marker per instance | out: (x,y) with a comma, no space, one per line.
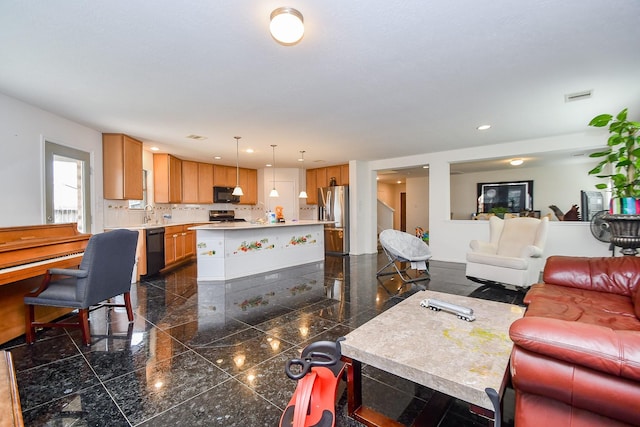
(317,371)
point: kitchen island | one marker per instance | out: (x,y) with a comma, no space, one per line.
(230,250)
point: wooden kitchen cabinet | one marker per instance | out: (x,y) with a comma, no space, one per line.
(189,241)
(249,184)
(197,182)
(344,175)
(189,182)
(205,183)
(224,176)
(333,172)
(320,177)
(312,187)
(167,178)
(179,244)
(122,167)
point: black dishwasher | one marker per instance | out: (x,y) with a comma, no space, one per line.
(155,250)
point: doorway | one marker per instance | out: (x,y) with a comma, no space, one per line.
(67,186)
(403,212)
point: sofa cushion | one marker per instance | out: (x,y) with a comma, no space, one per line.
(612,275)
(580,305)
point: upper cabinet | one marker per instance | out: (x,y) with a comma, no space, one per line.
(321,177)
(224,176)
(122,167)
(197,182)
(189,182)
(186,181)
(167,178)
(205,183)
(249,185)
(344,174)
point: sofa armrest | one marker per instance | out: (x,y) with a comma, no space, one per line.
(592,346)
(483,247)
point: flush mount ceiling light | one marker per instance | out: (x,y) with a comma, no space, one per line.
(516,162)
(287,25)
(484,127)
(274,192)
(303,193)
(237,191)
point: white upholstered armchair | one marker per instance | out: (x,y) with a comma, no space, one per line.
(513,254)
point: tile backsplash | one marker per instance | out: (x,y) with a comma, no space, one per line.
(118,214)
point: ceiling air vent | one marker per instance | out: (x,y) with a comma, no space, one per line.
(196,137)
(578,96)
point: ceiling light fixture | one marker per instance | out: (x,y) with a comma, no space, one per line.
(287,26)
(516,162)
(274,192)
(303,192)
(237,191)
(484,127)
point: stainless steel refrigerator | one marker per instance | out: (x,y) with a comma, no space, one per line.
(333,205)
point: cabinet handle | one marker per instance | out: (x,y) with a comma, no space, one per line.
(175,235)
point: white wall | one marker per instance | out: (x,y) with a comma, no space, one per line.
(417,204)
(23,129)
(558,186)
(449,239)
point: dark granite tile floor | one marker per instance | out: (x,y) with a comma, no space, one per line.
(213,354)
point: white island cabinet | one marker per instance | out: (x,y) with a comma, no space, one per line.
(238,249)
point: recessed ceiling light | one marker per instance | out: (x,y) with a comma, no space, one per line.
(399,182)
(154,149)
(483,127)
(268,165)
(516,162)
(217,157)
(249,150)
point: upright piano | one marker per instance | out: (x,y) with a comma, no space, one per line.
(26,253)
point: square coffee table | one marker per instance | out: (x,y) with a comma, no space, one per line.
(454,357)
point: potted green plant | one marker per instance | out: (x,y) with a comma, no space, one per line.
(499,211)
(622,157)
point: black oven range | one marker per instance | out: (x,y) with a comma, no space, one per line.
(223,216)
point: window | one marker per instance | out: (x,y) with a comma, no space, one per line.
(67,187)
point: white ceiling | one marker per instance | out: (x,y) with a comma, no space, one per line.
(370,79)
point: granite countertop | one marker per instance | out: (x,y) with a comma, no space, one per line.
(247,224)
(147,226)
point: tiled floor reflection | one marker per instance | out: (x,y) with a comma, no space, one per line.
(213,354)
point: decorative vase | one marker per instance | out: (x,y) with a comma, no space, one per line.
(625,232)
(624,205)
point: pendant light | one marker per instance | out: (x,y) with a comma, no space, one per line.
(274,192)
(237,191)
(303,193)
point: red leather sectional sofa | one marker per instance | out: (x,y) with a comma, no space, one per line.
(576,356)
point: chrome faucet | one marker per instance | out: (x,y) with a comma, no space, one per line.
(147,216)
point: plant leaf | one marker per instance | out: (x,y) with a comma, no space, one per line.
(622,115)
(601,121)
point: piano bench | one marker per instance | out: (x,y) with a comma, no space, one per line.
(9,397)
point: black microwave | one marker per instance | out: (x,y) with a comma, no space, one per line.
(224,195)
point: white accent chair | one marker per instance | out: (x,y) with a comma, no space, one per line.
(513,254)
